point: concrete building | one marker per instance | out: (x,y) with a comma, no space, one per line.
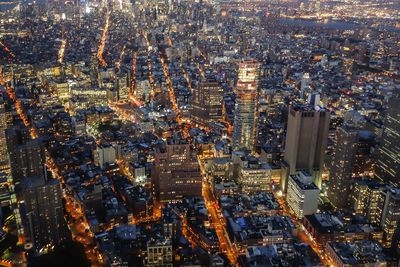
(341,169)
(27,156)
(176,173)
(79,125)
(207,102)
(306,141)
(365,199)
(42,216)
(254,175)
(104,154)
(302,194)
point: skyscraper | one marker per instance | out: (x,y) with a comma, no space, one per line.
(306,141)
(390,217)
(246,107)
(207,101)
(342,165)
(388,162)
(366,196)
(42,212)
(27,156)
(176,173)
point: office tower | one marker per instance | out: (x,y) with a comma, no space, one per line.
(365,198)
(176,173)
(302,194)
(306,141)
(245,122)
(27,156)
(388,162)
(341,169)
(42,212)
(390,217)
(207,102)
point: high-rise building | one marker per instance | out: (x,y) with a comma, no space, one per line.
(246,107)
(365,199)
(207,101)
(388,162)
(176,173)
(341,169)
(390,217)
(42,212)
(306,141)
(27,156)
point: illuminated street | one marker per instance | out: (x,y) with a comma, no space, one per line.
(166,133)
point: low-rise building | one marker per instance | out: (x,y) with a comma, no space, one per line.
(361,253)
(159,253)
(302,194)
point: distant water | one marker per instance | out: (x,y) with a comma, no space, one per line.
(6,7)
(330,24)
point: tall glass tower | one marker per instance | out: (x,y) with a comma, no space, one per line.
(245,123)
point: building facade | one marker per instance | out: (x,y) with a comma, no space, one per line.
(27,156)
(176,173)
(207,102)
(43,216)
(341,169)
(104,154)
(246,106)
(302,194)
(389,209)
(365,199)
(306,141)
(388,163)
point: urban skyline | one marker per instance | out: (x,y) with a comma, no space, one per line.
(166,133)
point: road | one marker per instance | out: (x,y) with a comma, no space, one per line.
(150,69)
(132,91)
(78,226)
(217,218)
(103,40)
(8,50)
(302,233)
